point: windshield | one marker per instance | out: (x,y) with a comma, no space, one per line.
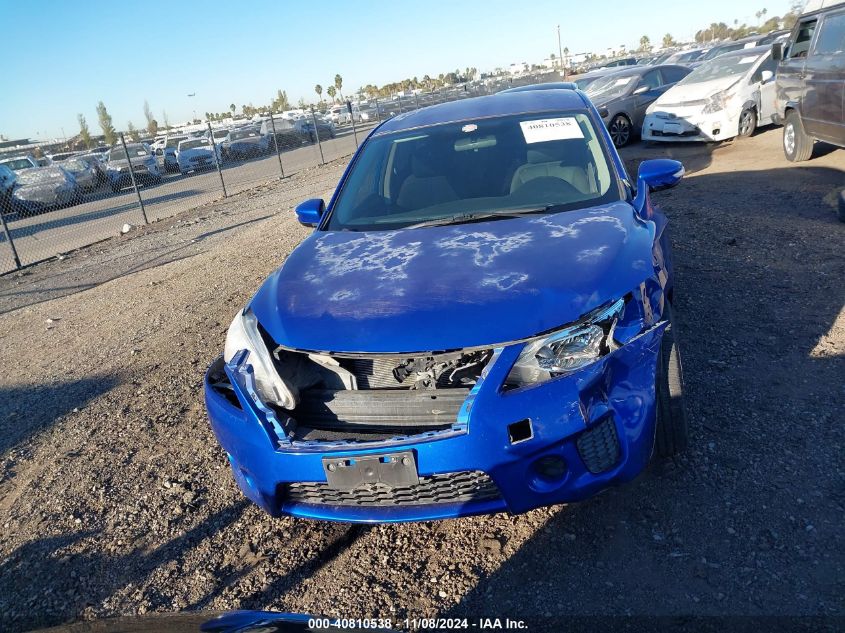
(504,164)
(221,133)
(40,176)
(610,87)
(174,141)
(193,143)
(725,66)
(713,53)
(135,151)
(17,163)
(75,165)
(243,134)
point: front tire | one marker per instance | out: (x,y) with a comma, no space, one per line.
(747,123)
(671,435)
(620,130)
(842,206)
(797,146)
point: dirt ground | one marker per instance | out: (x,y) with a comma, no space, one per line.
(116,499)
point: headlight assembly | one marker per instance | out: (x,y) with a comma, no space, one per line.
(244,334)
(569,349)
(716,102)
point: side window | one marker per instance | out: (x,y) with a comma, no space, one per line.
(673,75)
(831,39)
(801,45)
(651,79)
(770,64)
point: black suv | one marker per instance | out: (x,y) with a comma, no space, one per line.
(811,79)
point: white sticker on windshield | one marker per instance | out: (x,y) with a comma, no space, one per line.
(543,130)
(747,60)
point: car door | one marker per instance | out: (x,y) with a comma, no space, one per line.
(652,82)
(825,80)
(790,75)
(763,92)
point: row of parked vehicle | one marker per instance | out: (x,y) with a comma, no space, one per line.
(794,78)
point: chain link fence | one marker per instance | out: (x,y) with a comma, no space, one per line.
(90,196)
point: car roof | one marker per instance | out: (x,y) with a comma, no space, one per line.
(502,104)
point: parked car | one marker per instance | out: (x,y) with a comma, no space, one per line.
(618,63)
(196,154)
(716,51)
(324,128)
(729,96)
(367,381)
(623,97)
(167,154)
(551,85)
(287,133)
(686,57)
(8,180)
(244,143)
(98,162)
(810,85)
(85,175)
(59,157)
(17,163)
(584,80)
(144,166)
(42,189)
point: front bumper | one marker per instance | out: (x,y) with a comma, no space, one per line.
(664,127)
(616,393)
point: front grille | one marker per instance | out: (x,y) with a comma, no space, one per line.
(599,446)
(460,487)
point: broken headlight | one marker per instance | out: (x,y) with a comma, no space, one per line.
(244,334)
(569,349)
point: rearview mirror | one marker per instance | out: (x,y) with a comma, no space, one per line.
(766,75)
(310,212)
(777,51)
(641,90)
(659,173)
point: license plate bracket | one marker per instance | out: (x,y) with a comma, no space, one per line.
(671,128)
(393,470)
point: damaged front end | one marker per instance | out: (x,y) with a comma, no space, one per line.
(397,437)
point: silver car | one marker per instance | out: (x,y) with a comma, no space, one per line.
(623,97)
(44,188)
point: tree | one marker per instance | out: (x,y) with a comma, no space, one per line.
(152,124)
(281,103)
(645,43)
(319,90)
(332,91)
(338,83)
(84,132)
(133,132)
(165,119)
(105,121)
(668,41)
(232,107)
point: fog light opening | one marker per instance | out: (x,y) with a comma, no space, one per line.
(520,431)
(550,469)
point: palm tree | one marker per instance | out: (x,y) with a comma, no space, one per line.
(332,92)
(338,83)
(319,90)
(668,41)
(232,107)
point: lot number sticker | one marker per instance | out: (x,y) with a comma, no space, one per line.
(543,130)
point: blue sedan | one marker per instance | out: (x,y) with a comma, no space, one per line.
(480,322)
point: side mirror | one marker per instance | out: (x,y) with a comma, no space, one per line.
(604,112)
(641,90)
(310,212)
(659,173)
(159,152)
(766,75)
(777,51)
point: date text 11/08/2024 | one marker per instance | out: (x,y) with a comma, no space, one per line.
(418,624)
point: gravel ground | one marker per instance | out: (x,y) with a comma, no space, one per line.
(115,498)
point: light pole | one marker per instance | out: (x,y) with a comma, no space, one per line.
(560,52)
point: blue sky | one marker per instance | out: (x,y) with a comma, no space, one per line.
(62,57)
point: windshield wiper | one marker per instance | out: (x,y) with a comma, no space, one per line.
(465,218)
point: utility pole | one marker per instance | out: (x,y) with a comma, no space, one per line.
(560,52)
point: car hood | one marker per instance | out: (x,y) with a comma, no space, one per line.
(699,91)
(449,287)
(196,151)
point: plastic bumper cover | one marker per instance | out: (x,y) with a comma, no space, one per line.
(619,388)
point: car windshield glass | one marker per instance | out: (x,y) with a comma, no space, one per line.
(194,143)
(725,66)
(220,133)
(17,163)
(610,87)
(40,175)
(243,134)
(542,162)
(174,141)
(75,164)
(135,152)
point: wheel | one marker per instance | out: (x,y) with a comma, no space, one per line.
(671,434)
(797,146)
(620,130)
(842,206)
(747,122)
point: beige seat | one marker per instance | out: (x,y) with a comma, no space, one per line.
(424,187)
(540,165)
